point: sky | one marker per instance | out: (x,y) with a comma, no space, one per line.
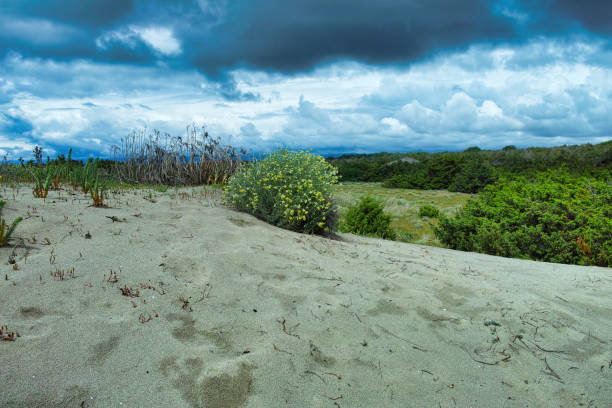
(334,76)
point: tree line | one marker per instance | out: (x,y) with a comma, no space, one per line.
(471,170)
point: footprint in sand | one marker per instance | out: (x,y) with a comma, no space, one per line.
(36,323)
(225,385)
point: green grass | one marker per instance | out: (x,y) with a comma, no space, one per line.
(403,205)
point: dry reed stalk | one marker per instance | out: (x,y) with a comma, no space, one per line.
(157,158)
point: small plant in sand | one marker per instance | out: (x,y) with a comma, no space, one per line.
(428,211)
(89,175)
(59,174)
(78,178)
(73,177)
(96,191)
(6,335)
(368,218)
(42,181)
(63,170)
(5,230)
(288,189)
(61,274)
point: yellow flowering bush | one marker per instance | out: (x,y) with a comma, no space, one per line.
(291,190)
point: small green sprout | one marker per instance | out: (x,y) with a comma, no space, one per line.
(5,230)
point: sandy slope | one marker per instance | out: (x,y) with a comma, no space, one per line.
(277,318)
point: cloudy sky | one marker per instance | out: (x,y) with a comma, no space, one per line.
(334,76)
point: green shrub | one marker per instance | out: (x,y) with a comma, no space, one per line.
(368,218)
(556,218)
(475,174)
(291,190)
(405,237)
(5,230)
(429,211)
(414,180)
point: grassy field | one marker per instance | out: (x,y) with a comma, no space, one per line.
(404,206)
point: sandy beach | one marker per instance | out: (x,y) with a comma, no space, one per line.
(170,299)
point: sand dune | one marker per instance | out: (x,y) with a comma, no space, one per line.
(214,308)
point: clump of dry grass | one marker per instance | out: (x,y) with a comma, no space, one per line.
(157,158)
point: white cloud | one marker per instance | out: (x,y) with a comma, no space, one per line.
(419,118)
(393,126)
(446,103)
(459,112)
(490,109)
(159,39)
(125,36)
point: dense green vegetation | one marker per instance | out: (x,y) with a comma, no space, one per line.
(429,211)
(368,218)
(555,217)
(471,170)
(549,204)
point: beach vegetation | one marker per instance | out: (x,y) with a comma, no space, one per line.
(403,205)
(289,189)
(474,168)
(87,175)
(42,180)
(158,158)
(61,274)
(6,335)
(556,217)
(428,210)
(368,218)
(5,230)
(96,191)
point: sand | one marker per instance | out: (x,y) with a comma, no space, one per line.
(219,309)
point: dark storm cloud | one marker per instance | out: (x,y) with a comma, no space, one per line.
(89,13)
(594,15)
(287,36)
(293,36)
(66,29)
